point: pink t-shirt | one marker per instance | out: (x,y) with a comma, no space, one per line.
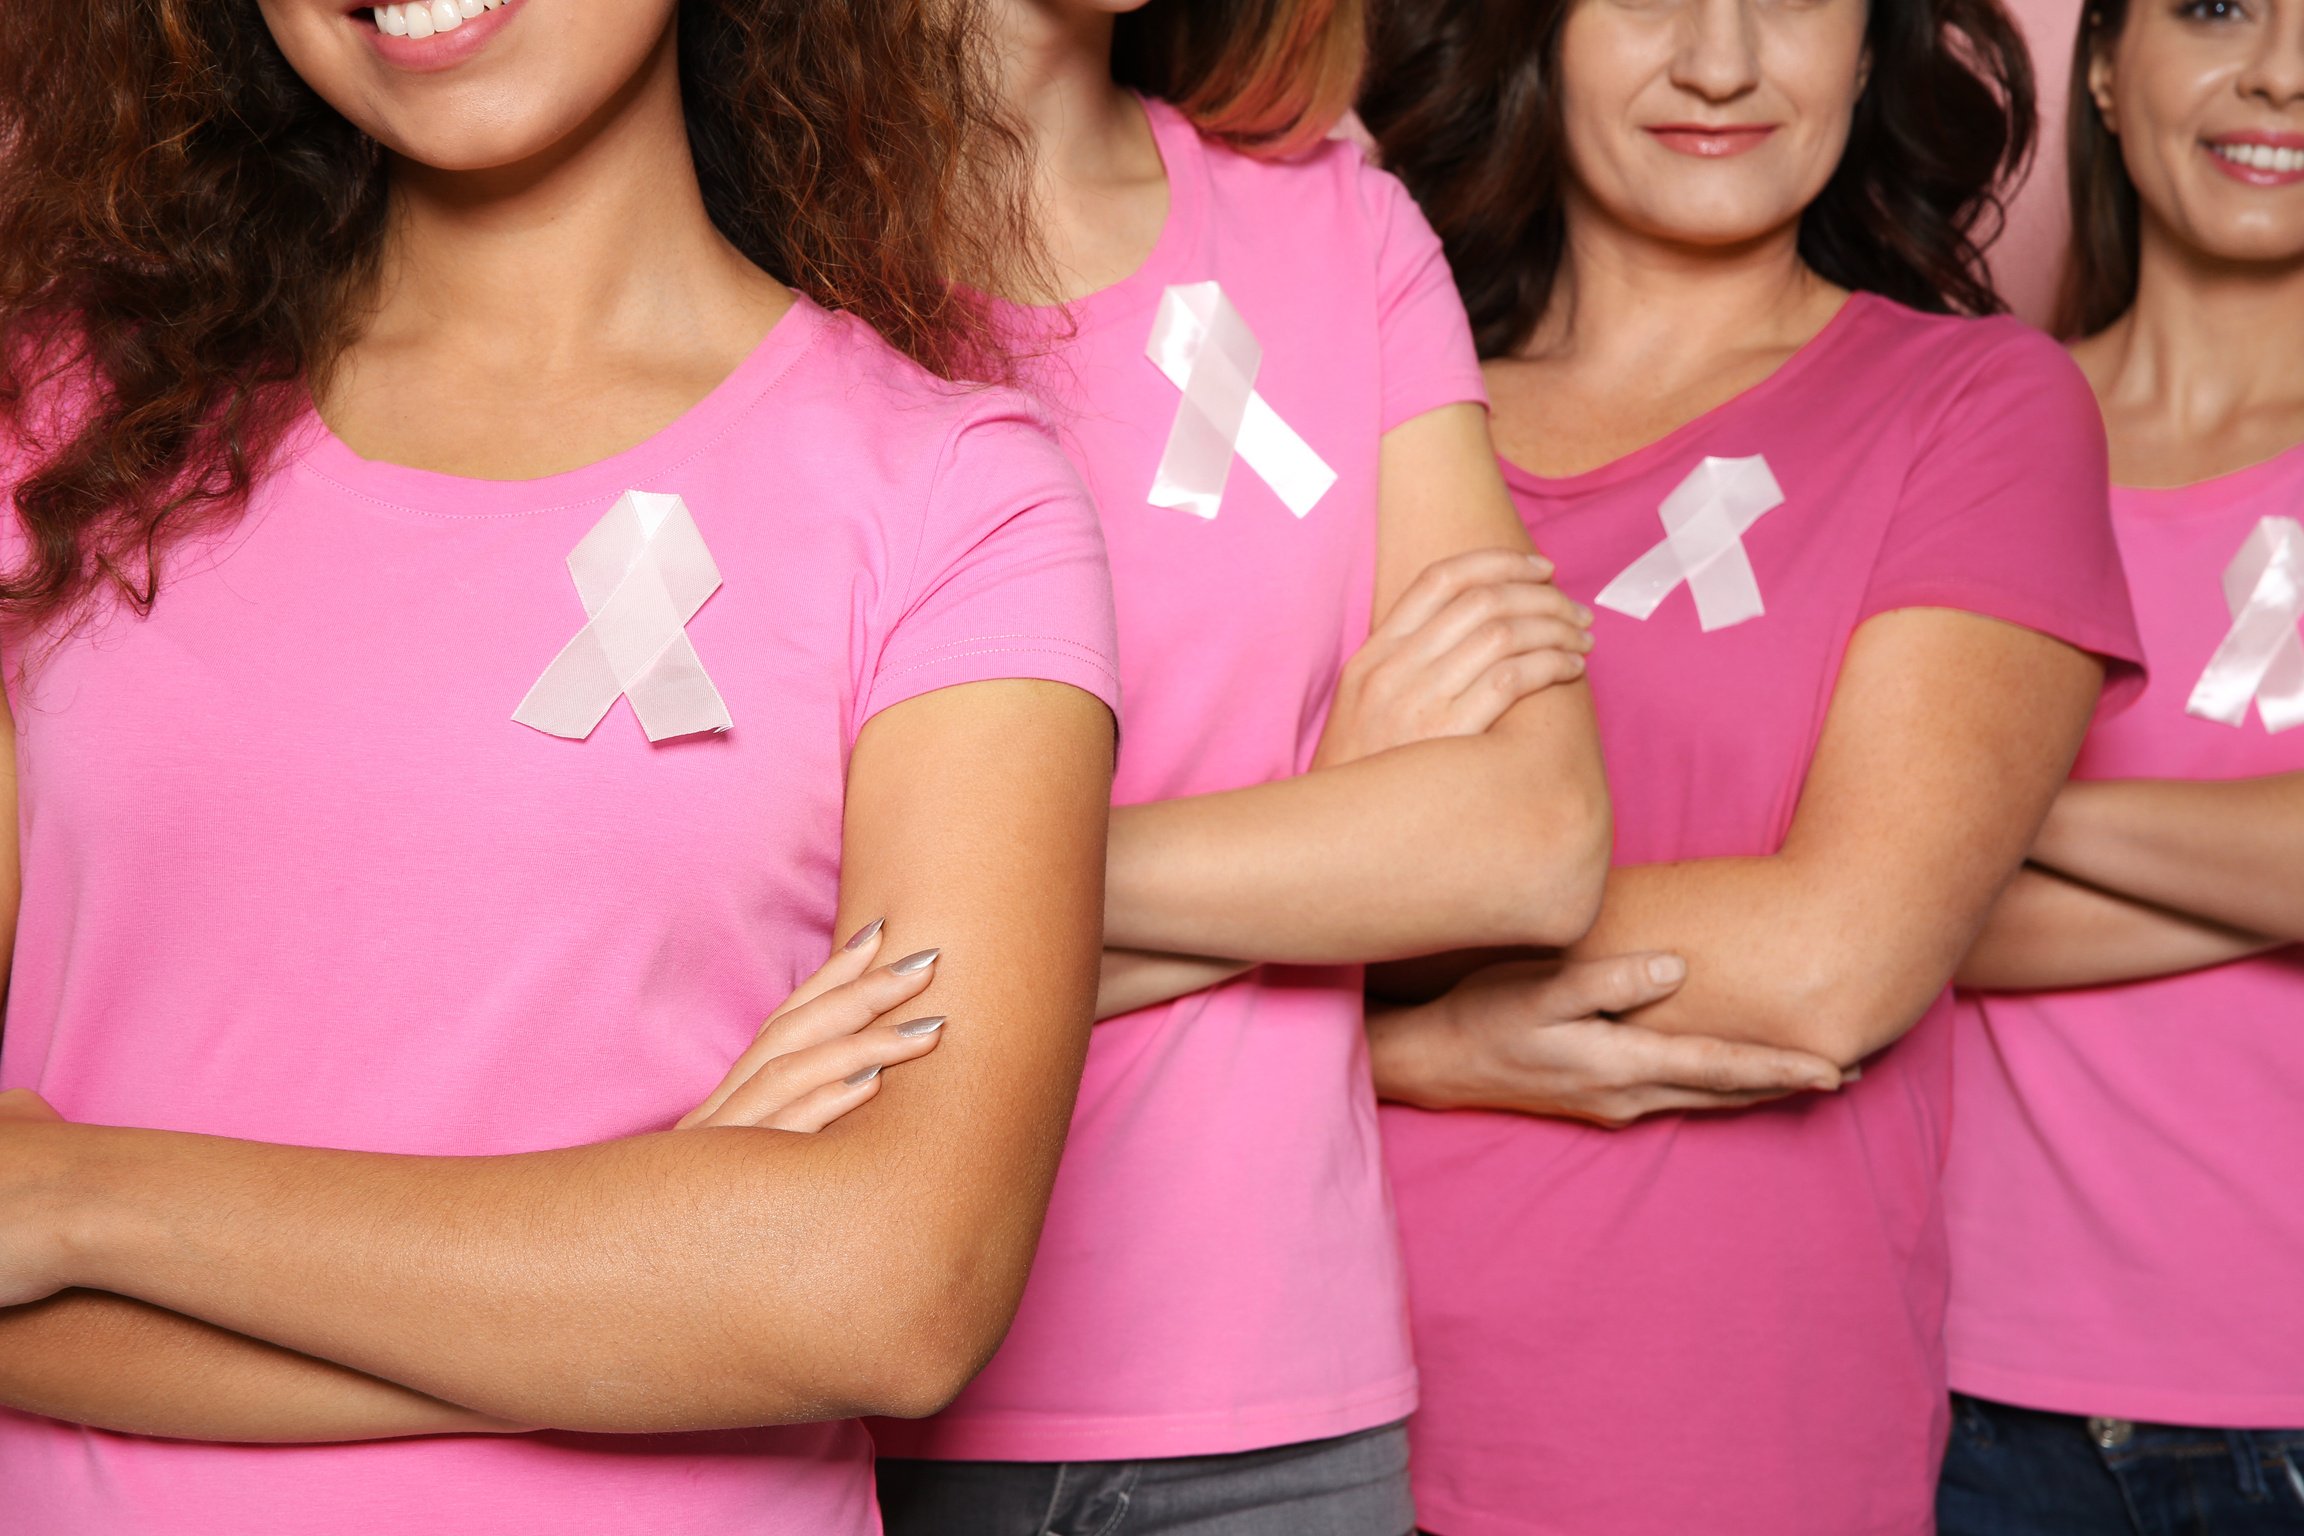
(292,871)
(1732,1324)
(2127,1236)
(1220,1270)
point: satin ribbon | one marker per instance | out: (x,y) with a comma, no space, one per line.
(642,573)
(2261,658)
(1203,347)
(1705,519)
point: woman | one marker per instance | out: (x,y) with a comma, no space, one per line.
(1856,598)
(334,325)
(1212,1338)
(2125,1233)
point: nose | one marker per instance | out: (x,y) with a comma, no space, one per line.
(2274,73)
(1719,57)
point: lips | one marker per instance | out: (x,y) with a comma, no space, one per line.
(1712,141)
(426,35)
(2259,159)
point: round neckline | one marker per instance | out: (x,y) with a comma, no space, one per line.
(2232,485)
(1184,160)
(433,493)
(1785,374)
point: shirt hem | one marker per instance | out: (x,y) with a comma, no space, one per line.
(1437,1517)
(1037,1437)
(1047,659)
(2122,1400)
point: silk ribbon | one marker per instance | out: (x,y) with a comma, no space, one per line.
(2261,658)
(1201,345)
(642,573)
(1705,520)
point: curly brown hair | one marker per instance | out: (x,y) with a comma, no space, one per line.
(1464,97)
(187,231)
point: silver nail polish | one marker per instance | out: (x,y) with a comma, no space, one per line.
(919,1027)
(914,964)
(859,1079)
(863,935)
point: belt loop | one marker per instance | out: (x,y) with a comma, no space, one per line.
(2249,1464)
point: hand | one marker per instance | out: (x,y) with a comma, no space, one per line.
(1536,1037)
(1472,636)
(820,1055)
(31,1249)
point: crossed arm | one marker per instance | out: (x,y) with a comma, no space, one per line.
(1494,834)
(222,1289)
(2135,878)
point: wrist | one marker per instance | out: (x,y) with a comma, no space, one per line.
(1413,1053)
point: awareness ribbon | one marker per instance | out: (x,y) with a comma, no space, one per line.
(1705,519)
(642,572)
(1203,347)
(2260,657)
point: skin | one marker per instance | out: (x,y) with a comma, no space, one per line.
(2132,878)
(1947,733)
(1450,843)
(208,1288)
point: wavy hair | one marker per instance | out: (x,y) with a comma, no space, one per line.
(1464,97)
(2100,265)
(187,231)
(1266,77)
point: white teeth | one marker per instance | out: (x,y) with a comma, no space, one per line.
(419,19)
(422,18)
(2262,157)
(445,16)
(390,22)
(469,8)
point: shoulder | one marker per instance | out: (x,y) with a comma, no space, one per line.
(1961,373)
(1332,186)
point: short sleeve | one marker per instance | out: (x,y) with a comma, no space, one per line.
(1425,339)
(1009,577)
(2007,509)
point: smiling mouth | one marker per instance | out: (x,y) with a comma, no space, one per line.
(2279,159)
(425,18)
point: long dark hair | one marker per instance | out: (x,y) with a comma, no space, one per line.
(186,229)
(1463,95)
(2099,280)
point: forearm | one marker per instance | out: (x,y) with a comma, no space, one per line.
(1779,953)
(694,1280)
(1133,979)
(2230,853)
(117,1364)
(1448,844)
(2048,932)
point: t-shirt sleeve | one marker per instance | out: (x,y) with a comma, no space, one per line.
(2007,511)
(1008,578)
(1425,339)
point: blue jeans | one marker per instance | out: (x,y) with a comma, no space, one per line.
(1353,1485)
(2018,1472)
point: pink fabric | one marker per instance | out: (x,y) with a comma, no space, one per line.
(2127,1238)
(293,873)
(1732,1324)
(1219,1270)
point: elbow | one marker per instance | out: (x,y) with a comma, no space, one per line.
(1843,1011)
(1557,870)
(940,1326)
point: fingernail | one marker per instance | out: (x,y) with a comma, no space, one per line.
(1543,566)
(1583,616)
(1665,969)
(859,1079)
(1850,1076)
(914,964)
(863,935)
(919,1027)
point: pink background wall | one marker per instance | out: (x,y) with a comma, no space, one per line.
(2026,259)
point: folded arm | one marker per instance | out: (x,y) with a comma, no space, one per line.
(2047,932)
(2229,853)
(1947,736)
(1499,837)
(694,1279)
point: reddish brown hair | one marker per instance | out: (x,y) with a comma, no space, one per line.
(1464,96)
(1267,77)
(186,230)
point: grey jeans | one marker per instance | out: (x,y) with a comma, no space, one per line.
(1353,1485)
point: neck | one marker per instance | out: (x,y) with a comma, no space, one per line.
(2207,342)
(1623,295)
(1055,77)
(538,259)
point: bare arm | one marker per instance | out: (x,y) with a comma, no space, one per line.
(869,1268)
(1499,837)
(2047,932)
(1947,737)
(2230,852)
